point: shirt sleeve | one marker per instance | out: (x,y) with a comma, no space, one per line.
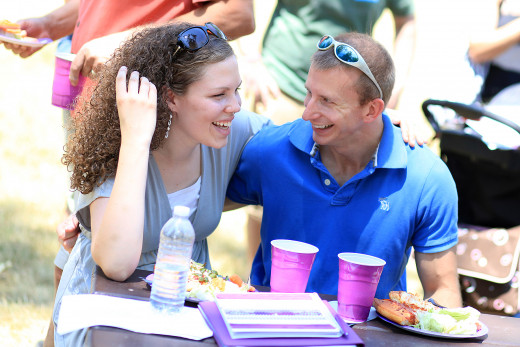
(437,215)
(61,258)
(83,201)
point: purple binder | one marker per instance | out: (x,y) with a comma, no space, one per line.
(212,315)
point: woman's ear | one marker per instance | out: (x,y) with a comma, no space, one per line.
(170,99)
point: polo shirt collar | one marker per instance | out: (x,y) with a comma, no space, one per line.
(300,136)
(390,154)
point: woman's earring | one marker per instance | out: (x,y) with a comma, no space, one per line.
(169,124)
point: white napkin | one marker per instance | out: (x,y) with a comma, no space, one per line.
(86,310)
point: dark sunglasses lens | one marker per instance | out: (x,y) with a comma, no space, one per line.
(346,54)
(193,38)
(215,30)
(325,42)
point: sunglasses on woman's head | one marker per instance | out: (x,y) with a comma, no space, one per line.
(348,55)
(196,37)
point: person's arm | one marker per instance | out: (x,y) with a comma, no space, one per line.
(230,205)
(68,232)
(258,84)
(439,278)
(435,233)
(403,55)
(234,17)
(62,21)
(55,25)
(118,221)
(488,40)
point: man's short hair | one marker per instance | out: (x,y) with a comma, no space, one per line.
(375,55)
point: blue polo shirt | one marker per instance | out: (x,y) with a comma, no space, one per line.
(403,198)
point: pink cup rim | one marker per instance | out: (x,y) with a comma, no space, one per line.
(361,259)
(294,246)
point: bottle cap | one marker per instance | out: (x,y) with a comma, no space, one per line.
(182,211)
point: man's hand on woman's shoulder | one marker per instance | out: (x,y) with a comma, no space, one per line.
(68,232)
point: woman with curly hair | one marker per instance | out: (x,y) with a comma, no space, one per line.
(153,132)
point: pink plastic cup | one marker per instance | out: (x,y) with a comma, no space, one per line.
(358,279)
(63,93)
(291,263)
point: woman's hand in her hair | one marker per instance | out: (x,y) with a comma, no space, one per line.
(137,107)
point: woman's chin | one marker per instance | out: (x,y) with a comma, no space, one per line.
(217,143)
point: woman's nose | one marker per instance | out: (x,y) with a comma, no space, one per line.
(235,104)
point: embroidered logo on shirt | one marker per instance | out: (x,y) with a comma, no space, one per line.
(385,206)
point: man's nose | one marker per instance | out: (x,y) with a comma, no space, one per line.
(310,111)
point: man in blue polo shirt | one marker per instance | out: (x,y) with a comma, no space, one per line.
(342,179)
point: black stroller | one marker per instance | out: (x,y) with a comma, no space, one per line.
(488,186)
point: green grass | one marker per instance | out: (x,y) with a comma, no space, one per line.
(26,285)
(32,191)
(27,248)
(23,324)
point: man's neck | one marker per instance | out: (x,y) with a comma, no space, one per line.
(344,162)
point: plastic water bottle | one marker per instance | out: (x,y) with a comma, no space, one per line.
(173,262)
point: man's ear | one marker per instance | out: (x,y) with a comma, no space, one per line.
(374,110)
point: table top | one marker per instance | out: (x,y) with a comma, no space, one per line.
(503,331)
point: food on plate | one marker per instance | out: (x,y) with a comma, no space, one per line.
(203,283)
(10,29)
(411,300)
(463,320)
(408,309)
(396,311)
(13,30)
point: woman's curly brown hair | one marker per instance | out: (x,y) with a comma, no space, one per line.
(92,151)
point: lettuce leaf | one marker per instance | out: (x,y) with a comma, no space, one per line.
(449,321)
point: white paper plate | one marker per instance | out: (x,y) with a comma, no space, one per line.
(39,43)
(483,331)
(65,56)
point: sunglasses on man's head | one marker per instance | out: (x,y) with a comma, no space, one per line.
(196,37)
(348,55)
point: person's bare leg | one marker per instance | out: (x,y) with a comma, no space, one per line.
(49,339)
